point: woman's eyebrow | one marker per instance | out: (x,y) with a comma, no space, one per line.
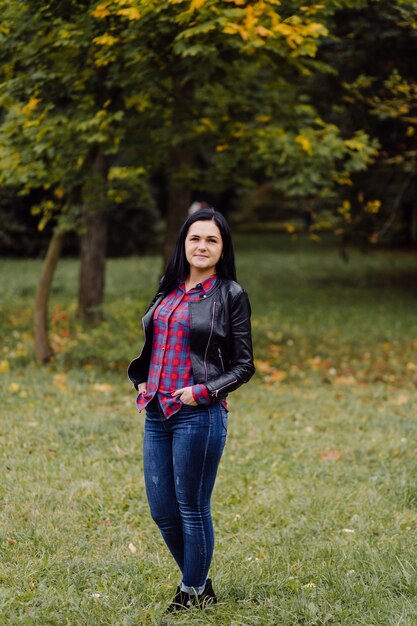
(207,236)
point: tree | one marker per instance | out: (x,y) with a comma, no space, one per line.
(61,124)
(207,92)
(373,87)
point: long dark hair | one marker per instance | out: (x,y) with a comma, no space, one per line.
(178,267)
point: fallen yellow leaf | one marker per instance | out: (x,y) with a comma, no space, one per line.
(402,398)
(330,455)
(344,380)
(102,387)
(60,381)
(263,366)
(4,367)
(277,376)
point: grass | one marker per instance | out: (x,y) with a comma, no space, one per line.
(315,505)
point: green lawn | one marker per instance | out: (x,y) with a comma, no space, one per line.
(316,502)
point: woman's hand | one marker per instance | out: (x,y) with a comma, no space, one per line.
(142,388)
(185,395)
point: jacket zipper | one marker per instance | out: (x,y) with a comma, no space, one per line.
(216,393)
(221,357)
(209,339)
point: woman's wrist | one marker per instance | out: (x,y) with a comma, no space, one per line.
(201,394)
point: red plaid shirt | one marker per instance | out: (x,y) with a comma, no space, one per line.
(170,366)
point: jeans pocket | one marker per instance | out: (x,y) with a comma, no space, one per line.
(225,418)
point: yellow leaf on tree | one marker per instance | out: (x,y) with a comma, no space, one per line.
(345,208)
(264,32)
(231,29)
(373,206)
(196,4)
(263,118)
(30,106)
(132,13)
(313,9)
(305,143)
(101,10)
(354,144)
(316,29)
(250,18)
(208,123)
(105,40)
(139,102)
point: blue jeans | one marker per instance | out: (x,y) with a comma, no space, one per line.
(181,456)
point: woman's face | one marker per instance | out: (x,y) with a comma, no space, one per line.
(203,246)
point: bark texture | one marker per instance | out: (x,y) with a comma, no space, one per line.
(179,196)
(93,242)
(43,349)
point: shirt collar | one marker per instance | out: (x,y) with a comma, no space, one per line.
(205,285)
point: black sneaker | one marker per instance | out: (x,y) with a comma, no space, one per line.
(181,602)
(206,598)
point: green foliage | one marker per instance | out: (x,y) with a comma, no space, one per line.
(134,80)
(61,104)
(373,49)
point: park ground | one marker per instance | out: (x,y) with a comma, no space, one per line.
(315,506)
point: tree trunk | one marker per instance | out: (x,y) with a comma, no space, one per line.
(413,225)
(43,349)
(93,243)
(179,196)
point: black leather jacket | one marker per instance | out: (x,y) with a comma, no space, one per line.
(220,340)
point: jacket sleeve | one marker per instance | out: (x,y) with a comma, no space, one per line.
(138,368)
(240,368)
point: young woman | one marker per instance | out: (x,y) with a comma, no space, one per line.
(197,349)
